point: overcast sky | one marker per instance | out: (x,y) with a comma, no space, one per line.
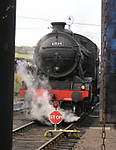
(33,18)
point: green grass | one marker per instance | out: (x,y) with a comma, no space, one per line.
(23,56)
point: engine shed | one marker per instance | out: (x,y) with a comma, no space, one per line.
(7,46)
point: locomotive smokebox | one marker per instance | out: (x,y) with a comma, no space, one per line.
(58,26)
(58,53)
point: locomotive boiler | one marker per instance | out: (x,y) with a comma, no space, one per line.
(69,62)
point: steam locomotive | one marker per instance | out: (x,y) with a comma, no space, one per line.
(69,62)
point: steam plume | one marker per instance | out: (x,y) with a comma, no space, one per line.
(38,107)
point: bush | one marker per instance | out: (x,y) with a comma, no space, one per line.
(17,83)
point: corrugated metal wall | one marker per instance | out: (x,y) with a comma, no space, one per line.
(108,61)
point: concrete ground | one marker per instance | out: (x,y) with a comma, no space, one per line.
(92,139)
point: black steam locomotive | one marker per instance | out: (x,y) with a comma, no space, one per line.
(69,62)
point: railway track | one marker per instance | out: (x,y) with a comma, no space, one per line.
(31,137)
(61,141)
(19,119)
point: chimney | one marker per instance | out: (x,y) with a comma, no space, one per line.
(58,26)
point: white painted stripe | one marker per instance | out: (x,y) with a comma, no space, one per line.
(67,98)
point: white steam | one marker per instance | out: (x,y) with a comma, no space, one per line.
(38,107)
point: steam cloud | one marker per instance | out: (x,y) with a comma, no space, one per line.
(39,108)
